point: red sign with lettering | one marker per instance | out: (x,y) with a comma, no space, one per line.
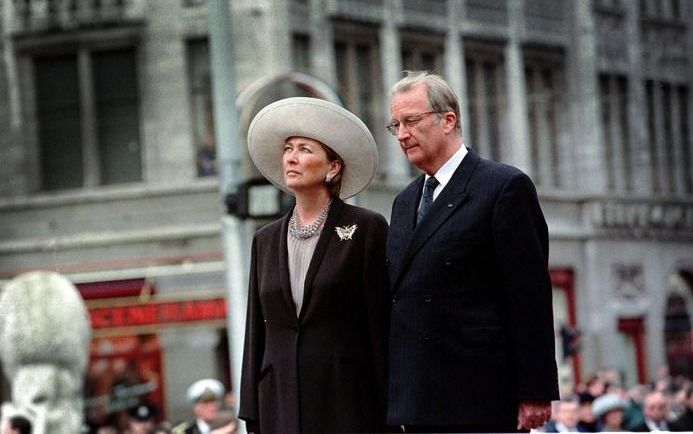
(158,313)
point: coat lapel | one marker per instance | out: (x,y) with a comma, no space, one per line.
(320,252)
(450,199)
(284,278)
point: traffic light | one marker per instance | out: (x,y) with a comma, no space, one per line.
(570,340)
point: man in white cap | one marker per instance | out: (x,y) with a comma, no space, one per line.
(205,395)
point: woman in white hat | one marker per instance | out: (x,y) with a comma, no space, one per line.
(318,304)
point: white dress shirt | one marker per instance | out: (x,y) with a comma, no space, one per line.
(444,174)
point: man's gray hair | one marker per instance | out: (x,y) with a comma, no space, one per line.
(441,98)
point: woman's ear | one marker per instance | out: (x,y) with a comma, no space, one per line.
(335,168)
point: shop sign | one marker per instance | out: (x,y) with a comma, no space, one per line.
(157,313)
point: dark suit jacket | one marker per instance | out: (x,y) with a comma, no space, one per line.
(471,333)
(324,371)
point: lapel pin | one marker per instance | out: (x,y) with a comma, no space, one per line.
(346,232)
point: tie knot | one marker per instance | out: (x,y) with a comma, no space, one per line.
(432,183)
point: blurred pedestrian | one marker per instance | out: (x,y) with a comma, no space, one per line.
(141,419)
(685,421)
(318,305)
(16,425)
(586,421)
(471,336)
(633,416)
(608,411)
(566,418)
(205,396)
(655,409)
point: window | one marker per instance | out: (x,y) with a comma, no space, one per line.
(486,98)
(669,137)
(613,91)
(666,9)
(545,108)
(88,124)
(422,53)
(300,52)
(359,74)
(201,99)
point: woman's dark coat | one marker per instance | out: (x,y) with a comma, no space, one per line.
(325,370)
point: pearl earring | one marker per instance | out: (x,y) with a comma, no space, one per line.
(328,178)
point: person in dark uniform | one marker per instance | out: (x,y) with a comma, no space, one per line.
(205,396)
(318,305)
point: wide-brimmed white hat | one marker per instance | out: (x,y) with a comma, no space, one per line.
(319,120)
(607,403)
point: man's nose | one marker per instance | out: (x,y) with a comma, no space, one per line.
(402,133)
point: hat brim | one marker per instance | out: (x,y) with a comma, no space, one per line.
(319,120)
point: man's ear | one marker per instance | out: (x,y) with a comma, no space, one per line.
(449,121)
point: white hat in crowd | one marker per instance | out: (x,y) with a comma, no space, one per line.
(205,390)
(607,403)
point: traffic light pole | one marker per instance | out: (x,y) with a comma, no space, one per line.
(228,148)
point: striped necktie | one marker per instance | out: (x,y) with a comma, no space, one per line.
(427,200)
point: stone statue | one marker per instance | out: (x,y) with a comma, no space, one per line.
(44,336)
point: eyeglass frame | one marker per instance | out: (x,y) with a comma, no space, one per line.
(409,123)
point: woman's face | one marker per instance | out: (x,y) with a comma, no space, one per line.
(613,418)
(305,164)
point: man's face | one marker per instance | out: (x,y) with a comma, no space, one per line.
(422,136)
(655,407)
(141,426)
(206,410)
(568,414)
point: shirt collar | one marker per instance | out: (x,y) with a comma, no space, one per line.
(203,426)
(444,174)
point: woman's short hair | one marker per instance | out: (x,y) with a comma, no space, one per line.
(441,98)
(335,185)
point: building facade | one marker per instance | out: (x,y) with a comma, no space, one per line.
(108,170)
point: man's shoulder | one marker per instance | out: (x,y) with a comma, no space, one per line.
(497,169)
(184,428)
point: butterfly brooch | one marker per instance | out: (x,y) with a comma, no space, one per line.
(346,232)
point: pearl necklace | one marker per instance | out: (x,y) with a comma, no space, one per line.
(303,232)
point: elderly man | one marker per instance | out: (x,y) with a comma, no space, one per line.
(471,337)
(655,411)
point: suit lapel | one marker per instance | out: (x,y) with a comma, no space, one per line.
(449,200)
(320,252)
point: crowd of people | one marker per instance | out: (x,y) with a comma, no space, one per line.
(601,404)
(211,407)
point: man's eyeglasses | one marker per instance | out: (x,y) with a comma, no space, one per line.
(409,122)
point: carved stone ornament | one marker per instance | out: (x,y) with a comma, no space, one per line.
(44,336)
(629,281)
